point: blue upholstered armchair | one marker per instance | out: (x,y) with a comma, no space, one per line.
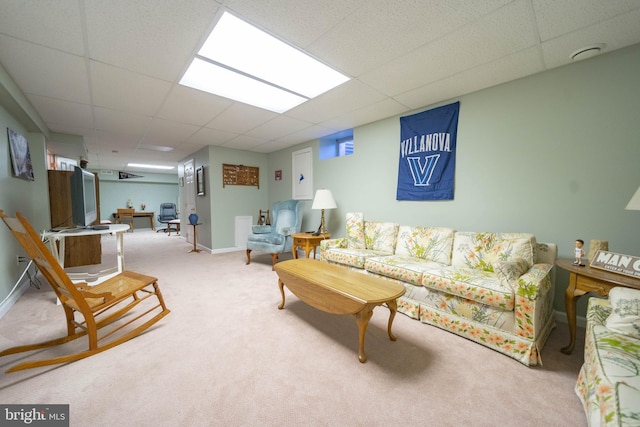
(276,239)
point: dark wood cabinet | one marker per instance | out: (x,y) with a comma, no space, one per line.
(79,250)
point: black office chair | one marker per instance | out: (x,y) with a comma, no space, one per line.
(168,212)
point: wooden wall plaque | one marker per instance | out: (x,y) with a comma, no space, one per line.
(240,175)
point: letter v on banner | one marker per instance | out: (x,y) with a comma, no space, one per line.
(427,157)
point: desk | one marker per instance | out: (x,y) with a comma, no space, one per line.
(583,280)
(307,241)
(140,214)
(57,245)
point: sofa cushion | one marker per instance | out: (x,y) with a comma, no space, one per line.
(516,245)
(427,243)
(348,256)
(355,230)
(474,250)
(380,236)
(404,268)
(510,271)
(470,283)
(625,311)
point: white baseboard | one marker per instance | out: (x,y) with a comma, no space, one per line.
(561,317)
(13,298)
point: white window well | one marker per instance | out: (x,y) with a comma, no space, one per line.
(336,145)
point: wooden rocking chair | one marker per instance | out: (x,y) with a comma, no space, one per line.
(104,304)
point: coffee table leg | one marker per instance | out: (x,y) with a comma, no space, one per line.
(362,319)
(393,308)
(281,286)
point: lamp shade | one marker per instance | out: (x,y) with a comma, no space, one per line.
(323,200)
(633,205)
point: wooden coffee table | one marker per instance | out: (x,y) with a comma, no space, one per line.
(338,290)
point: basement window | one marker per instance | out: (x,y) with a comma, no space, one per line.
(337,145)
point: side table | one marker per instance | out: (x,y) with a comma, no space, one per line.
(583,280)
(307,241)
(195,237)
(173,223)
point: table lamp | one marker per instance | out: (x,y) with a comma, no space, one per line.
(323,200)
(634,203)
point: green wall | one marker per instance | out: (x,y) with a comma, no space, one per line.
(555,154)
(150,188)
(31,198)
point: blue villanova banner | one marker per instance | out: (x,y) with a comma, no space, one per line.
(428,154)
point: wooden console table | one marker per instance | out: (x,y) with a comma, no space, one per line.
(307,241)
(583,280)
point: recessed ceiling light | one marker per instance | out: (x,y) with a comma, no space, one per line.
(587,52)
(141,165)
(241,62)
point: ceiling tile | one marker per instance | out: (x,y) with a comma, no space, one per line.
(208,136)
(505,69)
(384,30)
(120,122)
(560,17)
(45,72)
(501,33)
(244,142)
(119,89)
(278,127)
(347,97)
(240,118)
(152,37)
(615,33)
(57,113)
(192,106)
(168,133)
(55,24)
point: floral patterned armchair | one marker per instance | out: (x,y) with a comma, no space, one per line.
(609,382)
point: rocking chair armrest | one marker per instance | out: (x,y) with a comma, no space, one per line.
(106,296)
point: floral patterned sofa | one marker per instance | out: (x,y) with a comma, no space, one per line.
(609,380)
(494,289)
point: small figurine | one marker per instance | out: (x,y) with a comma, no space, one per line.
(579,252)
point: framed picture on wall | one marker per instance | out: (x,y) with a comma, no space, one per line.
(302,180)
(20,156)
(200,181)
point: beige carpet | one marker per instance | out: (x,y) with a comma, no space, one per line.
(227,356)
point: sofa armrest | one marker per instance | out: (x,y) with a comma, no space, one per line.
(333,243)
(535,282)
(534,301)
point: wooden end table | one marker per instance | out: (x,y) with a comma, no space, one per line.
(583,280)
(307,241)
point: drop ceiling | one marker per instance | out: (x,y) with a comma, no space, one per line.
(108,70)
